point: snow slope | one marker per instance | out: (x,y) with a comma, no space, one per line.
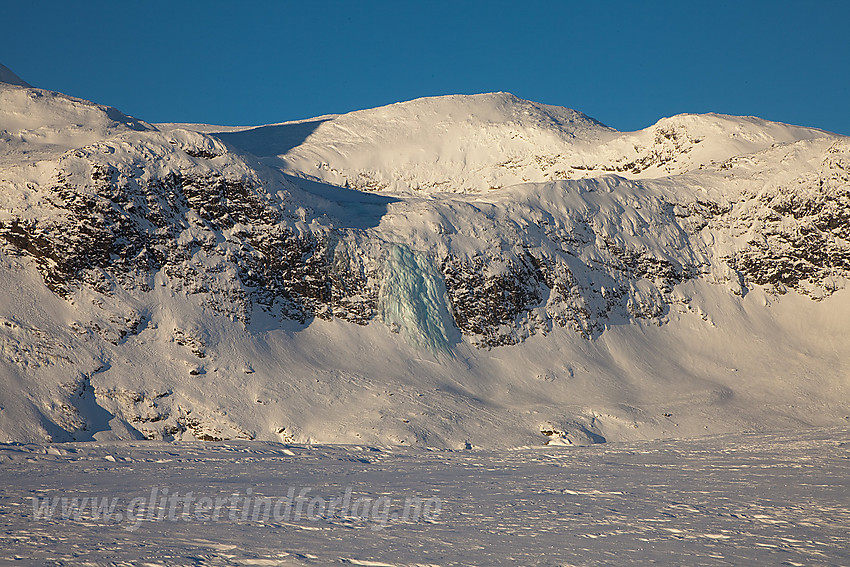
(171,282)
(482,142)
(36,124)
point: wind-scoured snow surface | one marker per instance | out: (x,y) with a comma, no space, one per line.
(746,499)
(465,271)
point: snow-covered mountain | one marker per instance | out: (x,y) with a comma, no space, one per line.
(482,142)
(454,271)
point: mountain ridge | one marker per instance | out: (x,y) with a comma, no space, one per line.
(475,143)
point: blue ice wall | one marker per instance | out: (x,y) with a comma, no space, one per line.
(413,300)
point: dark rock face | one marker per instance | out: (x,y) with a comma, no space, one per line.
(531,294)
(569,272)
(219,235)
(488,307)
(800,233)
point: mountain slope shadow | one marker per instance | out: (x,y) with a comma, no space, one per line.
(354,209)
(272,140)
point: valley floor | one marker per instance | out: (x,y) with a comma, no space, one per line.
(743,499)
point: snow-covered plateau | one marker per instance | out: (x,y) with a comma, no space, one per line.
(740,499)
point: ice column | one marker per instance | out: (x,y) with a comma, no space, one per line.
(413,300)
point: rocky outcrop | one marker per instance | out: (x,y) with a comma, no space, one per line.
(797,233)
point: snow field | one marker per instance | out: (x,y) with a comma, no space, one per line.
(747,499)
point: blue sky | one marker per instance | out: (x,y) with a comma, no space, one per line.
(624,63)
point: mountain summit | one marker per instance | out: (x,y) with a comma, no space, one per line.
(452,271)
